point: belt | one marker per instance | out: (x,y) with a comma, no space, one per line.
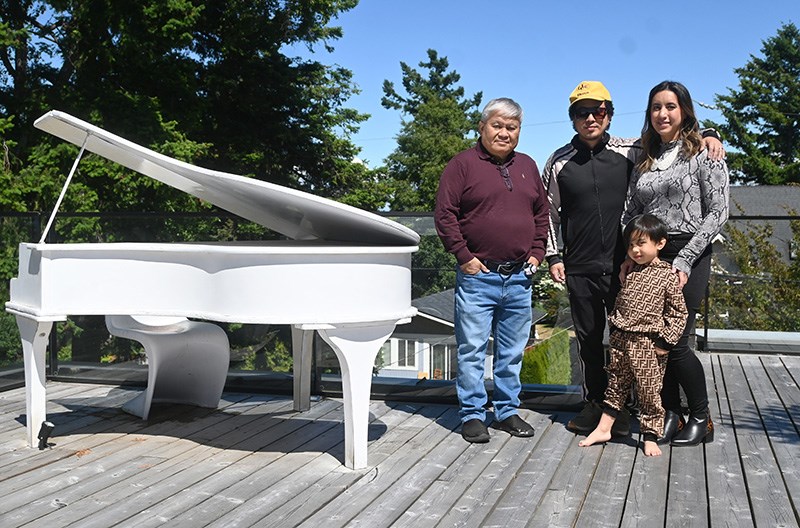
(504,268)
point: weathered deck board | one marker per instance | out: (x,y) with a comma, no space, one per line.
(647,491)
(445,491)
(507,458)
(254,462)
(564,494)
(604,503)
(781,432)
(728,498)
(245,439)
(154,447)
(769,498)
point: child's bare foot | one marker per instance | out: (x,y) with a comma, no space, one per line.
(596,436)
(651,448)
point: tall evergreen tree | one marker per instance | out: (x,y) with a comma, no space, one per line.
(763,114)
(439,121)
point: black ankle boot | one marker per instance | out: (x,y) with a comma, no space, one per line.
(699,428)
(673,423)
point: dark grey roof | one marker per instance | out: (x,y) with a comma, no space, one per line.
(439,305)
(766,200)
(442,306)
(772,200)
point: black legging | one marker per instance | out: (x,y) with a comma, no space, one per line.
(683,367)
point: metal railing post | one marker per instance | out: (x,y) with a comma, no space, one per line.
(705,317)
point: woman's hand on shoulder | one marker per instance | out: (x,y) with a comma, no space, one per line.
(714,147)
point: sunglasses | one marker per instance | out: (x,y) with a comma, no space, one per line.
(584,111)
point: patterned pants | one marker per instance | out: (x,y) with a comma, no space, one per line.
(634,358)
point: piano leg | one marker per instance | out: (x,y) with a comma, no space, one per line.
(302,342)
(34,335)
(356,348)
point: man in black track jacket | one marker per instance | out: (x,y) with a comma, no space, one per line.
(587,183)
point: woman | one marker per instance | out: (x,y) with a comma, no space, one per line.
(677,182)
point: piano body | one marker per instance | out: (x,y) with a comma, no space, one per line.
(345,273)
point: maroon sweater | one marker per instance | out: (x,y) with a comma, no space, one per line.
(477,216)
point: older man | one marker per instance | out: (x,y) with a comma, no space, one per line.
(587,183)
(492,214)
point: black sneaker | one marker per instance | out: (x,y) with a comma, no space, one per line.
(586,420)
(622,425)
(515,426)
(475,431)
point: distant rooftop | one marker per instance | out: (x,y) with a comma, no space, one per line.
(765,200)
(751,341)
(769,201)
(442,306)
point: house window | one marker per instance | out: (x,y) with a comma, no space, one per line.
(406,353)
(443,361)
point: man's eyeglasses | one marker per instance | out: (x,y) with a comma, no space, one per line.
(506,177)
(599,112)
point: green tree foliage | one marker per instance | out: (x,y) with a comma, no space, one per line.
(765,295)
(550,296)
(373,190)
(433,268)
(438,123)
(208,82)
(763,114)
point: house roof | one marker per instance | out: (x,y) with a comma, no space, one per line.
(765,200)
(441,306)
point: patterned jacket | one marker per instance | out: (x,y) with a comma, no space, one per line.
(651,302)
(690,196)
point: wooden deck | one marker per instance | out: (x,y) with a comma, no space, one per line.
(255,462)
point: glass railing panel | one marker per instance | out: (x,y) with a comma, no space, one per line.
(753,287)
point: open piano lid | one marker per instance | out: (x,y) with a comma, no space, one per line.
(295,214)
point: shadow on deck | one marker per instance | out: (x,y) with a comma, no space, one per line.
(255,462)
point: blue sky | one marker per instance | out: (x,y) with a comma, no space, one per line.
(537,52)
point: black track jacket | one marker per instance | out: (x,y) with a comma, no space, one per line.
(587,189)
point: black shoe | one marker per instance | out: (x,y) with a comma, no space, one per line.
(622,424)
(515,426)
(475,431)
(697,429)
(673,424)
(586,420)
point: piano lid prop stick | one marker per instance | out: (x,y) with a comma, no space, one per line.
(64,190)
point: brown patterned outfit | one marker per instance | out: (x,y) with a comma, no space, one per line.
(649,312)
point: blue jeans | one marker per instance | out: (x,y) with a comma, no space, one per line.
(491,304)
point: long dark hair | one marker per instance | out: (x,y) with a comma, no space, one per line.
(689,133)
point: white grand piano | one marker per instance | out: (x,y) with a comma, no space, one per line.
(344,273)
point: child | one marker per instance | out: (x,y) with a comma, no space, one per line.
(648,319)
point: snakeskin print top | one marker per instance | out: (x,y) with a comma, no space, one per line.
(690,196)
(651,302)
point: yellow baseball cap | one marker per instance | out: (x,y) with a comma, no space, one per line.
(593,90)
